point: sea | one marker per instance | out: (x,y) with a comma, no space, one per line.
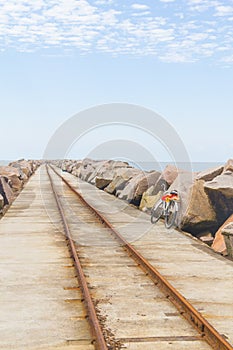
(159,166)
(4,162)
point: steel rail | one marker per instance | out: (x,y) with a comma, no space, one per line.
(208,332)
(97,333)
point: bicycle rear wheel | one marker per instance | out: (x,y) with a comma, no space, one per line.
(156,212)
(171,214)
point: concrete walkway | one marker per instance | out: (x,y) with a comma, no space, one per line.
(40,300)
(202,276)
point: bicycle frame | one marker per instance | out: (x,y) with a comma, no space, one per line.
(167,201)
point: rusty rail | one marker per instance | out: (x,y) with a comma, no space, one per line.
(97,333)
(208,332)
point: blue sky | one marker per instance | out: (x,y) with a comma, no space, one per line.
(60,57)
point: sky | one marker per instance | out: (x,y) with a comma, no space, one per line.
(60,57)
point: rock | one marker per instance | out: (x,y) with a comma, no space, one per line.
(34,164)
(219,242)
(13,175)
(108,170)
(147,181)
(222,184)
(220,192)
(210,174)
(196,213)
(6,191)
(206,237)
(101,170)
(153,194)
(121,178)
(148,200)
(70,167)
(24,167)
(22,176)
(66,164)
(101,183)
(135,188)
(1,202)
(227,232)
(229,165)
(199,214)
(85,171)
(170,173)
(75,169)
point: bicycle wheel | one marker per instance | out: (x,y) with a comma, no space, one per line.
(156,212)
(171,214)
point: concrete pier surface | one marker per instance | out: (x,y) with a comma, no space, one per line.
(202,276)
(41,303)
(40,300)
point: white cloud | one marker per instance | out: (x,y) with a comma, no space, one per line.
(228,59)
(138,14)
(140,7)
(224,10)
(104,2)
(105,26)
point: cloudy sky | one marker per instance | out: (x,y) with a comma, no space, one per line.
(59,57)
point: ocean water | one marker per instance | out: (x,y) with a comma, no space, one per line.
(159,166)
(195,166)
(4,162)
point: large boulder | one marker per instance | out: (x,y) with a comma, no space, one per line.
(34,164)
(24,167)
(220,192)
(107,170)
(75,168)
(219,242)
(1,202)
(6,191)
(102,182)
(153,194)
(196,213)
(149,198)
(66,165)
(200,214)
(147,181)
(101,170)
(13,175)
(86,169)
(210,174)
(135,188)
(170,173)
(229,165)
(228,236)
(121,178)
(22,175)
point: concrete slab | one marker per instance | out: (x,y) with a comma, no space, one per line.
(130,304)
(40,305)
(200,275)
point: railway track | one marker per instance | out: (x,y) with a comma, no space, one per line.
(129,303)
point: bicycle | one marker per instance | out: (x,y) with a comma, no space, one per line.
(167,207)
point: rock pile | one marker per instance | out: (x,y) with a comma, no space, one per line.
(12,179)
(206,198)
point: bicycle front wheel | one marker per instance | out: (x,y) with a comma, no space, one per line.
(156,212)
(171,214)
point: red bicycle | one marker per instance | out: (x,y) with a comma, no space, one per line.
(166,207)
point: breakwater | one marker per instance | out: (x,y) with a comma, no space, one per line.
(206,197)
(13,176)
